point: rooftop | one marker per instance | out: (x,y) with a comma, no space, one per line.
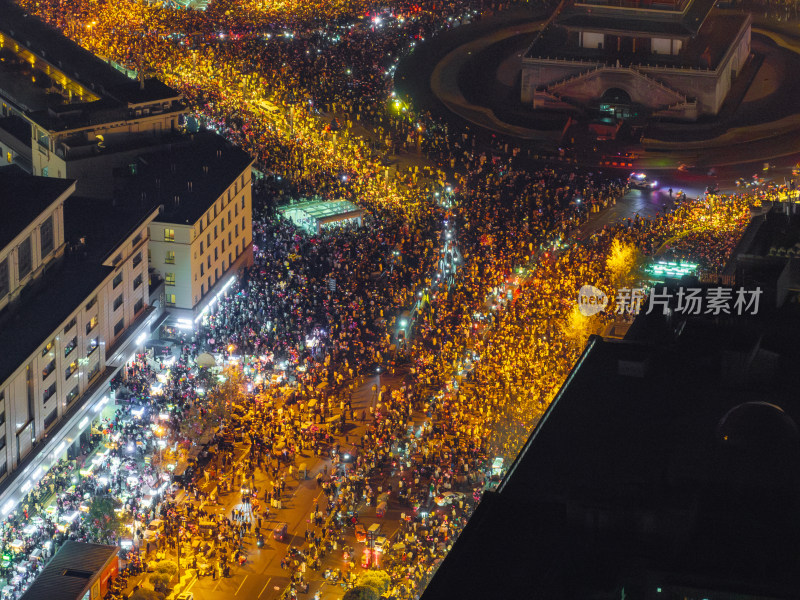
(704,50)
(197,171)
(23,198)
(71,572)
(37,75)
(653,467)
(620,15)
(30,319)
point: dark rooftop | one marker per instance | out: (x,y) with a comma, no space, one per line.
(96,75)
(23,198)
(631,19)
(197,171)
(674,466)
(71,572)
(28,321)
(703,51)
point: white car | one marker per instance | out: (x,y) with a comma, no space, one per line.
(154,529)
(641,182)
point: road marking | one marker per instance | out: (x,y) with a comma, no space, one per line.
(218,582)
(240,585)
(265,587)
(190,585)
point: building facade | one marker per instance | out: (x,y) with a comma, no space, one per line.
(71,314)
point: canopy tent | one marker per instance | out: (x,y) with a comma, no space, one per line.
(314,215)
(204,359)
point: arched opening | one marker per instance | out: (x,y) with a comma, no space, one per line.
(617,103)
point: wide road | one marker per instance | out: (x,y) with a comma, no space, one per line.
(261,577)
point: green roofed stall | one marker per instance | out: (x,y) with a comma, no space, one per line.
(314,215)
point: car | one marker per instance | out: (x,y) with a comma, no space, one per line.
(381,544)
(712,189)
(447,498)
(640,181)
(348,453)
(185,596)
(361,533)
(154,529)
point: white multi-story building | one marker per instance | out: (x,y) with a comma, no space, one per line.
(204,231)
(74,301)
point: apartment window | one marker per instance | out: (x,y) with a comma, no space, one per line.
(169,278)
(72,394)
(9,158)
(169,235)
(91,324)
(91,303)
(70,325)
(243,227)
(202,247)
(137,282)
(170,299)
(223,244)
(51,417)
(24,258)
(117,259)
(46,236)
(216,254)
(230,258)
(92,346)
(49,392)
(236,230)
(223,224)
(71,368)
(202,269)
(216,233)
(138,306)
(3,466)
(94,371)
(118,302)
(5,285)
(70,346)
(3,417)
(208,261)
(208,240)
(242,202)
(49,347)
(137,259)
(137,239)
(117,281)
(49,368)
(202,289)
(119,327)
(235,210)
(170,258)
(215,211)
(229,237)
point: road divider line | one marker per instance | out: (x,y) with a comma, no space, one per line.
(265,587)
(240,585)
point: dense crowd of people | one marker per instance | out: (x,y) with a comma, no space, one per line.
(307,89)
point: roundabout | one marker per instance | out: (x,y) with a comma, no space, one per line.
(479,80)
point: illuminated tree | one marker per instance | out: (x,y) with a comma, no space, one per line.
(623,264)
